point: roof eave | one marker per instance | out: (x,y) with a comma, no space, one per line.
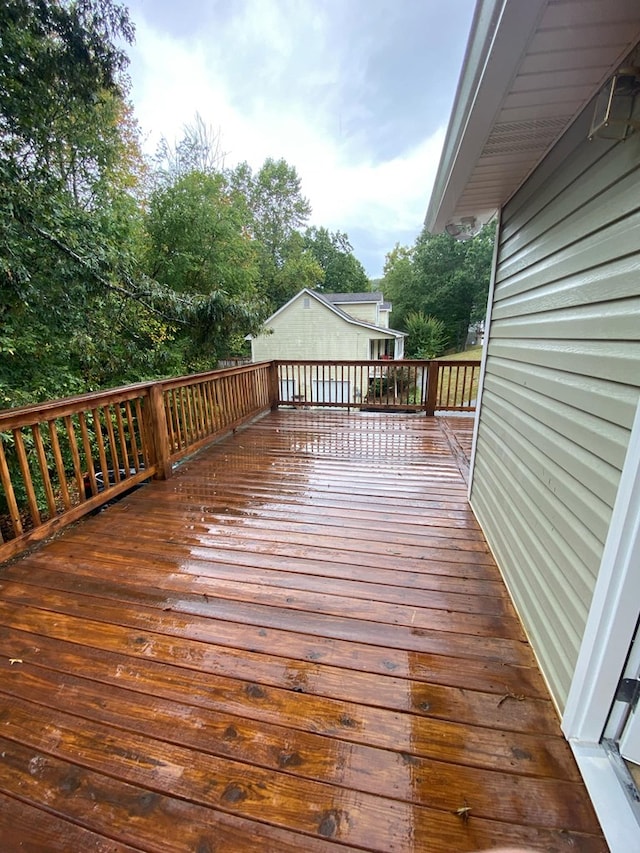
(499,35)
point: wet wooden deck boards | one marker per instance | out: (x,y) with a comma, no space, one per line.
(299,642)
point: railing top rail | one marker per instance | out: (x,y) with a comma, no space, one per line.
(392,362)
(195,378)
(39,412)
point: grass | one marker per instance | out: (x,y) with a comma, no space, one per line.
(468,354)
(463,380)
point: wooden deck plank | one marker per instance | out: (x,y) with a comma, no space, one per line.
(231,602)
(206,562)
(480,708)
(43,826)
(302,755)
(332,641)
(263,584)
(241,658)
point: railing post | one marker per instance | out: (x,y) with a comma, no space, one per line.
(433,370)
(274,386)
(159,432)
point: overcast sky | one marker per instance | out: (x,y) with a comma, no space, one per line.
(355,94)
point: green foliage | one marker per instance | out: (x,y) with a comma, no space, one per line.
(277,210)
(427,335)
(442,278)
(65,214)
(197,246)
(343,273)
(113,270)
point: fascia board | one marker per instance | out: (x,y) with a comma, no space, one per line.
(501,32)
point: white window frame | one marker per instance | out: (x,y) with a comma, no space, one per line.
(610,629)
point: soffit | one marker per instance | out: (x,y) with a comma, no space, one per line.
(537,76)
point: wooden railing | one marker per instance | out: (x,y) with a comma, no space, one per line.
(408,385)
(63,459)
(457,387)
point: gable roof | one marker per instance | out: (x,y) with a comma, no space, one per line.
(324,300)
(529,70)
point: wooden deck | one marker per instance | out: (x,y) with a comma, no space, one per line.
(299,642)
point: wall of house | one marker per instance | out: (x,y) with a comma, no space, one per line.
(314,332)
(562,384)
(365,311)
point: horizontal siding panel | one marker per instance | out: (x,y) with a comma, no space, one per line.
(581,14)
(587,358)
(568,60)
(610,401)
(562,467)
(566,536)
(547,79)
(556,111)
(559,228)
(568,95)
(608,321)
(565,187)
(562,374)
(618,280)
(572,597)
(567,159)
(573,37)
(600,248)
(605,441)
(533,598)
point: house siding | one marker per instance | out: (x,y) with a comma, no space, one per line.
(315,333)
(366,311)
(561,385)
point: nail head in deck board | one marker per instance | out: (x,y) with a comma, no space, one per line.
(159,684)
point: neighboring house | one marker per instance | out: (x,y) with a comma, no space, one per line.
(368,307)
(340,326)
(329,327)
(556,466)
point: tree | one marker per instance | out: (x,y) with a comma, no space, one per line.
(397,282)
(278,206)
(277,212)
(427,336)
(198,248)
(65,210)
(199,150)
(343,273)
(442,278)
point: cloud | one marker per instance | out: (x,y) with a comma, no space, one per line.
(305,82)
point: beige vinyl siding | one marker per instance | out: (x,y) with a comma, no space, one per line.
(365,311)
(561,385)
(315,332)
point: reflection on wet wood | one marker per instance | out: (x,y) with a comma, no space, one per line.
(300,642)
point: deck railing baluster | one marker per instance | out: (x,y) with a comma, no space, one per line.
(142,430)
(7,485)
(43,469)
(59,463)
